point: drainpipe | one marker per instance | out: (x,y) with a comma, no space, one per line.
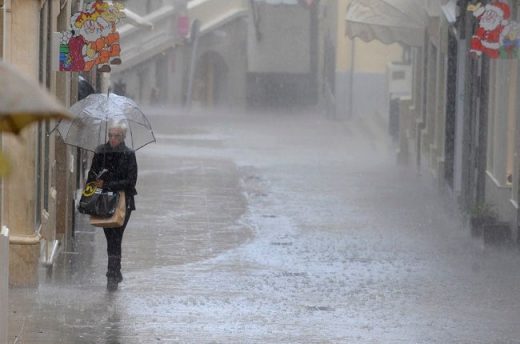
(194,37)
(256,20)
(351,78)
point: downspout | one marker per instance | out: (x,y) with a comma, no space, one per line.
(256,20)
(194,37)
(351,78)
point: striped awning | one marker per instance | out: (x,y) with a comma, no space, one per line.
(388,21)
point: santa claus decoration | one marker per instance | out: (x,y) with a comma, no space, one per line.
(493,18)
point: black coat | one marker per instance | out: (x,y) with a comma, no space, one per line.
(122,170)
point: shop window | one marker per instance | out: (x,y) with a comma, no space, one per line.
(42,170)
(511,121)
(502,120)
(42,148)
(491,117)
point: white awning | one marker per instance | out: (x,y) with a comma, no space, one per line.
(389,21)
(449,9)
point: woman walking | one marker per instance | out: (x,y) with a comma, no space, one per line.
(114,168)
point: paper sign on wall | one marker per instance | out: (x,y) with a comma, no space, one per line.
(93,39)
(496,36)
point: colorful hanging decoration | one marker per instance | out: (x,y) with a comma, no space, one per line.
(496,35)
(93,39)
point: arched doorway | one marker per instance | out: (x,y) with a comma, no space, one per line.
(210,85)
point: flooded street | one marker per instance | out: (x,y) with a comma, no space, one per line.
(277,228)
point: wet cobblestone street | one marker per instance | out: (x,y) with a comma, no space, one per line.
(264,228)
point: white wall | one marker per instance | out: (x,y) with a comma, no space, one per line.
(369,94)
(285,43)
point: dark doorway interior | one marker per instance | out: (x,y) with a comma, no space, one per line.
(451,106)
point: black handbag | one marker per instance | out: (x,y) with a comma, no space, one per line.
(95,201)
(114,221)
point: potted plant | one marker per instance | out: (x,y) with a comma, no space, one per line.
(481,215)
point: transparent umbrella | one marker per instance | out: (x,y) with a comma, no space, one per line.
(94,113)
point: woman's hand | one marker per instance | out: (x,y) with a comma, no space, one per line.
(99,183)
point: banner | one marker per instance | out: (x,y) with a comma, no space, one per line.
(496,36)
(93,39)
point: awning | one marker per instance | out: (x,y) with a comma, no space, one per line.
(388,21)
(449,9)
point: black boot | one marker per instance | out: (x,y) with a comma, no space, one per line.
(114,276)
(111,284)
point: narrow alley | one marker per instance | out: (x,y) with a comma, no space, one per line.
(277,228)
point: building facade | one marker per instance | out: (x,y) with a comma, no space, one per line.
(197,65)
(37,197)
(354,71)
(461,125)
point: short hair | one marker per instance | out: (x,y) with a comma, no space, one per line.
(118,124)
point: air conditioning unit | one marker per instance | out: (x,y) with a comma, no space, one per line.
(398,80)
(399,86)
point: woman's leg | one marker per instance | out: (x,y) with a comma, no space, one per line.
(114,238)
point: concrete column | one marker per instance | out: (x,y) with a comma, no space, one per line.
(19,188)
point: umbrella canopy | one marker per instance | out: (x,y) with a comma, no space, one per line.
(84,88)
(94,114)
(23,101)
(389,21)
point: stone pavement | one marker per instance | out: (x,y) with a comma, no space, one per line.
(277,228)
(187,211)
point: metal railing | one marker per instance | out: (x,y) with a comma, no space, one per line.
(4,282)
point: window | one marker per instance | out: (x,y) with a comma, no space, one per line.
(42,149)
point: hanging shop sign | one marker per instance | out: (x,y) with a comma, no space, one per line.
(93,39)
(183,26)
(496,36)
